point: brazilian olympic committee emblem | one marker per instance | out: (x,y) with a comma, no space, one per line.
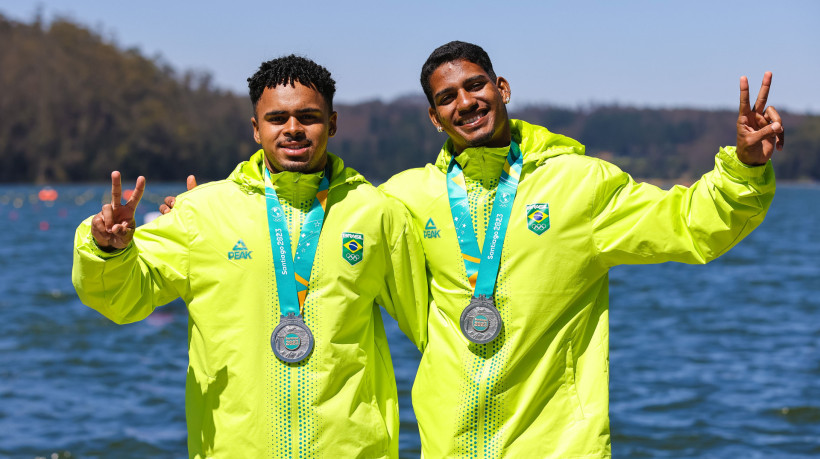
(352,247)
(538,218)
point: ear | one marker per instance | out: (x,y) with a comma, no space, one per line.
(255,130)
(331,129)
(503,87)
(433,117)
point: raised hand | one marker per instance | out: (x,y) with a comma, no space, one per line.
(171,200)
(113,228)
(759,129)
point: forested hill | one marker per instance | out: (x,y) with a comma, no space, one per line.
(74,106)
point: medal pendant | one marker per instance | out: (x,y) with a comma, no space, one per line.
(291,340)
(480,321)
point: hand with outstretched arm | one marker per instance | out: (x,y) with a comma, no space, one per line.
(171,200)
(759,128)
(113,228)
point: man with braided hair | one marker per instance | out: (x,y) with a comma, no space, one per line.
(281,266)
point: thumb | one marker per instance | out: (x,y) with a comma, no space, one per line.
(191,182)
(768,131)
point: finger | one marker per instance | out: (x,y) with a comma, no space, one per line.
(772,116)
(139,189)
(99,232)
(762,133)
(743,124)
(191,182)
(120,229)
(107,214)
(98,224)
(169,204)
(744,96)
(777,126)
(763,94)
(116,189)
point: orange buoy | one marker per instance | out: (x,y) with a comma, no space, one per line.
(47,194)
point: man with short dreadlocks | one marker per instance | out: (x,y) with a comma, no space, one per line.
(281,266)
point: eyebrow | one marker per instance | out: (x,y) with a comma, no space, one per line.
(298,112)
(466,82)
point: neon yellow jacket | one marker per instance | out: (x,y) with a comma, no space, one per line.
(541,388)
(214,251)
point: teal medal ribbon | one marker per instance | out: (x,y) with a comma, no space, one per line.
(292,340)
(480,321)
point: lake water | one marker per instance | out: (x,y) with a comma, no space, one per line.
(718,361)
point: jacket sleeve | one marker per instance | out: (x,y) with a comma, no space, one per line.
(126,286)
(404,291)
(636,223)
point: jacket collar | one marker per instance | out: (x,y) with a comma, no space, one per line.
(249,176)
(537,145)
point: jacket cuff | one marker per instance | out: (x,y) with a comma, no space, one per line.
(89,245)
(727,156)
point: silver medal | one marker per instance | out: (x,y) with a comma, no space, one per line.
(291,340)
(480,321)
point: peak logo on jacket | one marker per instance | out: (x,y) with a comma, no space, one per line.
(240,251)
(430,230)
(352,247)
(538,218)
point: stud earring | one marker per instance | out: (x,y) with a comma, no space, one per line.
(507,100)
(439,129)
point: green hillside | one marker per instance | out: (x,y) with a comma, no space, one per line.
(75,106)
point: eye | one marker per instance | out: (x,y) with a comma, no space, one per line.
(445,99)
(277,119)
(308,118)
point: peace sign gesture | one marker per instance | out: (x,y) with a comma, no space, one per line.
(113,228)
(759,128)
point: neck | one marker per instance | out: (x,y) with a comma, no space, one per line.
(298,170)
(501,138)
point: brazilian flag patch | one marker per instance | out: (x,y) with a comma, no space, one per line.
(352,247)
(538,218)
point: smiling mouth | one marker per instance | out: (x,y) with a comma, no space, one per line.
(472,119)
(294,147)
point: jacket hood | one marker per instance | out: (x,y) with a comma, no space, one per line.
(248,174)
(537,144)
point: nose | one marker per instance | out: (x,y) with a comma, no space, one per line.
(465,101)
(293,128)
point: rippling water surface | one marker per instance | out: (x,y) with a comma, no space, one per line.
(720,361)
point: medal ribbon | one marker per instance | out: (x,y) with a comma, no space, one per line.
(482,265)
(292,284)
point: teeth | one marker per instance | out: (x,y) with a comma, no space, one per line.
(471,120)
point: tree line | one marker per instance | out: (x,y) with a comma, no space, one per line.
(74,106)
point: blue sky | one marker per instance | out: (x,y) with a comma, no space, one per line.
(643,53)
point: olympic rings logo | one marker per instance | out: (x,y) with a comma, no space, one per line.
(539,226)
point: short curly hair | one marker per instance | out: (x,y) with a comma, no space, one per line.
(289,70)
(453,51)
